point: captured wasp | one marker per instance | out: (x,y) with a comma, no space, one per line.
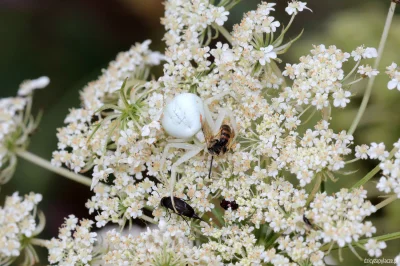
(217,144)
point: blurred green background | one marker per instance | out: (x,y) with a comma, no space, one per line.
(71,41)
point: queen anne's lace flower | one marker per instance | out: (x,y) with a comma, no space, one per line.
(167,245)
(75,243)
(362,151)
(296,6)
(394,74)
(118,134)
(18,224)
(340,217)
(374,247)
(16,125)
(390,180)
(367,71)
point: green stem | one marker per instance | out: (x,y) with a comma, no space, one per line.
(272,240)
(317,185)
(223,31)
(367,93)
(386,202)
(352,161)
(217,213)
(387,237)
(351,72)
(354,81)
(148,219)
(38,242)
(47,165)
(373,172)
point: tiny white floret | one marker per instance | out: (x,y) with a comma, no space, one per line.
(181,116)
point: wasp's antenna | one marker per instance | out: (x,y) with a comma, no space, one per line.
(209,173)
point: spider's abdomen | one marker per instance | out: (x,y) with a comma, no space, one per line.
(181,116)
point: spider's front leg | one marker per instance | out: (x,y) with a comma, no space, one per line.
(192,150)
(215,125)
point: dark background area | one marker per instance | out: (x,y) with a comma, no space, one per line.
(71,41)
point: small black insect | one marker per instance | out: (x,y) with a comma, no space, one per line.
(307,222)
(181,207)
(225,204)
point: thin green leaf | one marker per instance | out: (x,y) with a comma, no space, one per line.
(347,172)
(122,94)
(283,49)
(108,118)
(108,106)
(279,40)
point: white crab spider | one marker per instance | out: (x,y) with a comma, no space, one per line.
(182,120)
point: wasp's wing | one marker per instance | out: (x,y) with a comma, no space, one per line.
(230,141)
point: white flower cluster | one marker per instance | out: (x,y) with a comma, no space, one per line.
(394,73)
(118,134)
(234,243)
(16,124)
(18,224)
(187,23)
(330,219)
(295,6)
(255,24)
(340,217)
(390,180)
(277,204)
(319,77)
(75,245)
(77,148)
(374,247)
(163,246)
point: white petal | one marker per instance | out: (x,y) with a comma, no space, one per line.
(392,84)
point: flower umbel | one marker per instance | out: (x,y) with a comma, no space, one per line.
(20,221)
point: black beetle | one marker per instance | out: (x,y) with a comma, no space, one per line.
(181,207)
(226,204)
